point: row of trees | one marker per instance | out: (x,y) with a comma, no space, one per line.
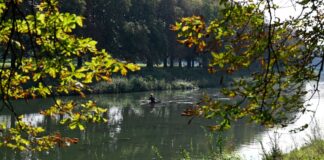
(138,30)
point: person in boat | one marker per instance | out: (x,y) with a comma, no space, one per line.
(152,99)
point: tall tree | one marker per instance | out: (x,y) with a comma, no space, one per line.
(167,14)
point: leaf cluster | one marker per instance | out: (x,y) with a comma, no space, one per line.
(279,56)
(40,44)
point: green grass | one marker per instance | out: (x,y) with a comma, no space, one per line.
(160,79)
(157,78)
(312,151)
(136,84)
(199,75)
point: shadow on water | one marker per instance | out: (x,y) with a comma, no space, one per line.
(133,128)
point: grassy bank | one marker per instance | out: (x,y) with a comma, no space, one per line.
(313,150)
(136,84)
(161,79)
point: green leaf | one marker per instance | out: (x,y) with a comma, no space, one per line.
(73,125)
(81,127)
(36,77)
(52,72)
(79,21)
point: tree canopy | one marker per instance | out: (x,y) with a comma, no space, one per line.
(120,25)
(281,56)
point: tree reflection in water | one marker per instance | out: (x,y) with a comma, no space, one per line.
(133,128)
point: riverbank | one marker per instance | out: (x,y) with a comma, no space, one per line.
(154,79)
(313,150)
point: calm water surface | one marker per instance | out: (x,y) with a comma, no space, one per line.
(133,129)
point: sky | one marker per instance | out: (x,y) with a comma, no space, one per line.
(287,8)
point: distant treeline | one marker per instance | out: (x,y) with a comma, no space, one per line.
(138,30)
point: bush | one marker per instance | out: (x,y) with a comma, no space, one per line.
(181,84)
(139,84)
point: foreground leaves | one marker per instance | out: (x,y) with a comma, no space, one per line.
(38,41)
(272,61)
(27,137)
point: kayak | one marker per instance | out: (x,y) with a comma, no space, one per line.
(148,102)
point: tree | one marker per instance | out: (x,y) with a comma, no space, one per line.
(167,15)
(39,42)
(144,33)
(283,55)
(136,30)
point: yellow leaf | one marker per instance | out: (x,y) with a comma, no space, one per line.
(88,78)
(52,72)
(81,127)
(185,28)
(79,21)
(72,125)
(232,94)
(116,69)
(132,67)
(123,71)
(106,78)
(36,77)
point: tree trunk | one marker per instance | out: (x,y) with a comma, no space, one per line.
(12,120)
(165,62)
(48,123)
(171,61)
(149,64)
(13,60)
(180,62)
(205,61)
(188,62)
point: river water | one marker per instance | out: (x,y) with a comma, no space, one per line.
(138,131)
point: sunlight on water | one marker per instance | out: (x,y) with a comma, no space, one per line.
(288,141)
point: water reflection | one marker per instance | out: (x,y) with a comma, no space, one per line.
(133,128)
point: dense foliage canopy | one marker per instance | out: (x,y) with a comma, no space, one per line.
(281,56)
(121,25)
